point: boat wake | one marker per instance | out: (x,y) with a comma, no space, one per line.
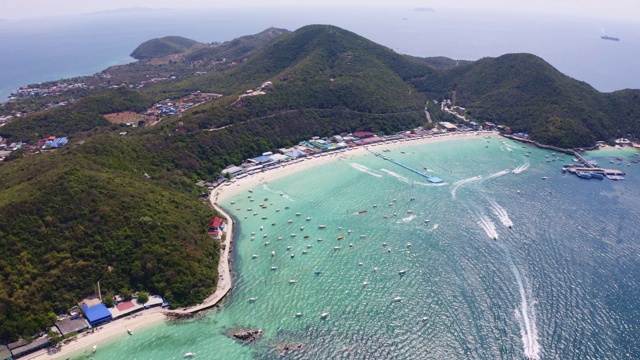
(267,188)
(521,168)
(526,317)
(408,219)
(364,169)
(488,226)
(500,173)
(457,184)
(404,179)
(501,213)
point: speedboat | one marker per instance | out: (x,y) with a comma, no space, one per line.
(321,226)
(292,281)
(293,255)
(255,256)
(273,253)
(309,218)
(324,315)
(402,272)
(274,268)
(130,332)
(299,314)
(398,298)
(289,247)
(408,245)
(336,248)
(189,354)
(365,283)
(289,221)
(297,214)
(266,243)
(253,299)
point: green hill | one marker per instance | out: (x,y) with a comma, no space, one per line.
(525,92)
(157,48)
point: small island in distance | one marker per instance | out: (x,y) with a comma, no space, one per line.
(605,37)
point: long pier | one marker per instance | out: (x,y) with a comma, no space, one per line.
(431,179)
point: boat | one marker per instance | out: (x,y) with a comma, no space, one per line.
(320,239)
(279,237)
(264,235)
(293,255)
(306,236)
(322,226)
(544,178)
(360,264)
(273,253)
(301,227)
(615,177)
(336,247)
(365,283)
(389,250)
(274,268)
(584,175)
(341,237)
(266,243)
(350,244)
(304,252)
(253,299)
(292,281)
(299,314)
(255,256)
(309,218)
(297,214)
(253,233)
(409,211)
(362,211)
(349,231)
(605,37)
(324,315)
(597,176)
(375,269)
(318,272)
(426,221)
(398,298)
(424,319)
(362,236)
(95,347)
(289,221)
(286,208)
(309,246)
(189,354)
(408,245)
(384,244)
(294,235)
(289,247)
(402,272)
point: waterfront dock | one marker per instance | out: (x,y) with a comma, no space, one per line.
(431,179)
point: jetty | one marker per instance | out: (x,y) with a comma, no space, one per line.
(431,179)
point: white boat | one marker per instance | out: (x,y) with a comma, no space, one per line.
(324,315)
(544,178)
(292,281)
(349,231)
(253,233)
(189,354)
(375,269)
(299,314)
(398,298)
(293,235)
(309,246)
(408,245)
(336,247)
(409,211)
(293,255)
(279,237)
(95,347)
(426,221)
(253,299)
(255,256)
(322,226)
(365,283)
(389,250)
(304,252)
(309,218)
(289,247)
(261,227)
(424,319)
(301,227)
(297,214)
(362,236)
(130,332)
(273,253)
(264,235)
(320,239)
(360,264)
(289,221)
(266,243)
(350,244)
(402,272)
(274,268)
(384,244)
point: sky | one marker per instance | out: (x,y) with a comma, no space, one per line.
(607,9)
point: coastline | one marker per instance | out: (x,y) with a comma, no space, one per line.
(154,316)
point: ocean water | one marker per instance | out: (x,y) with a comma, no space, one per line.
(509,265)
(53,48)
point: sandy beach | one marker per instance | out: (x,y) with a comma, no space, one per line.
(86,341)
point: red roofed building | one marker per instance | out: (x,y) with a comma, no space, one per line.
(216,226)
(364,134)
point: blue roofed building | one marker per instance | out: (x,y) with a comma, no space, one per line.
(264,159)
(59,142)
(96,314)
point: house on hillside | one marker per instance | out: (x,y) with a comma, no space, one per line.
(216,227)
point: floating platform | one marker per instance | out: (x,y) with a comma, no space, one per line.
(431,179)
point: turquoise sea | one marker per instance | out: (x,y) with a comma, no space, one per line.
(561,283)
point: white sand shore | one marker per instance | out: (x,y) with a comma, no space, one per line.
(119,327)
(251,181)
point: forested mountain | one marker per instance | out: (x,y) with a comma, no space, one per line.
(88,212)
(157,48)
